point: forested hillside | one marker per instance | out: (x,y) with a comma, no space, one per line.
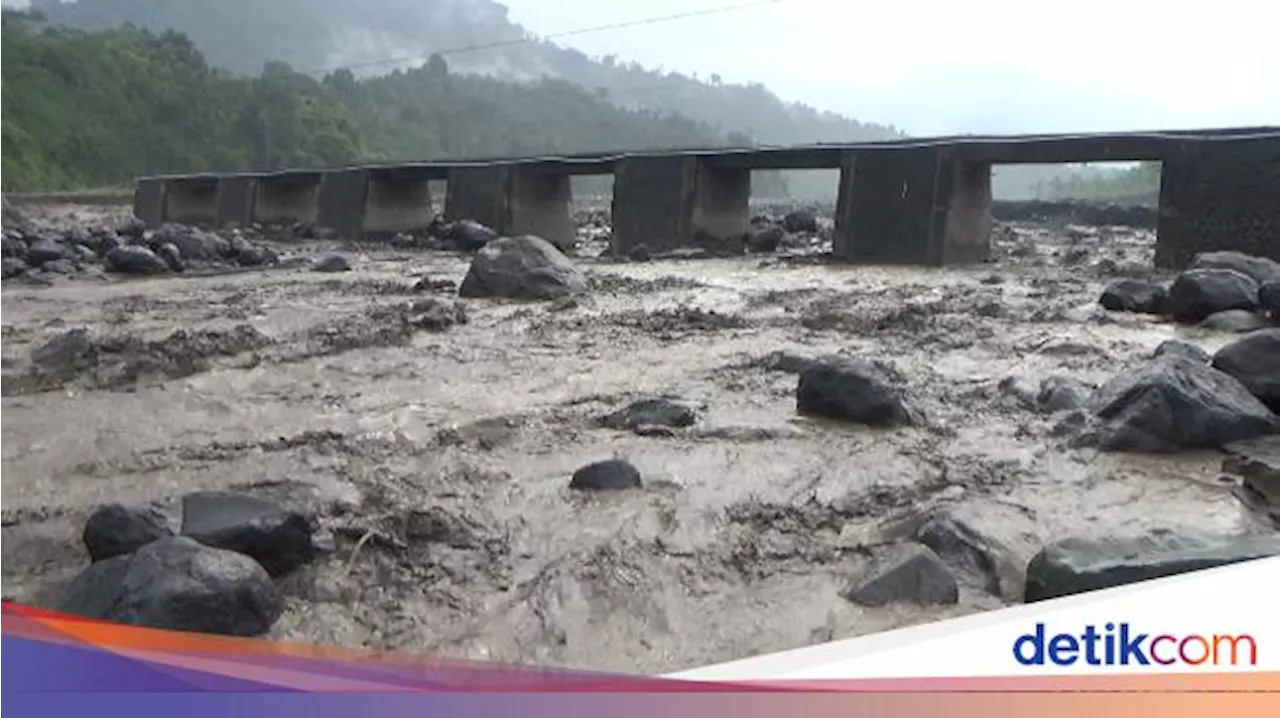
(316,35)
(93,109)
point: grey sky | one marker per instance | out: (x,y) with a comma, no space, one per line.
(939,66)
(932,66)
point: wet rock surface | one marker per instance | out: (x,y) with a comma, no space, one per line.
(1255,362)
(116,529)
(279,539)
(610,475)
(905,573)
(1075,566)
(177,584)
(433,438)
(853,390)
(1131,295)
(522,268)
(1176,403)
(1198,293)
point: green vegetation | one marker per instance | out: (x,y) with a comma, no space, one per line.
(1138,184)
(98,108)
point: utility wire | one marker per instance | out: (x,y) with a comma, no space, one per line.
(565,33)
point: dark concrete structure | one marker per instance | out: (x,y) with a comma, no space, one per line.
(192,200)
(916,201)
(148,200)
(236,195)
(288,197)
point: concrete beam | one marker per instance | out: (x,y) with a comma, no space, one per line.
(191,200)
(288,197)
(1219,195)
(148,201)
(924,206)
(668,202)
(236,194)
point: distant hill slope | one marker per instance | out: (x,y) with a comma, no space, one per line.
(242,35)
(94,109)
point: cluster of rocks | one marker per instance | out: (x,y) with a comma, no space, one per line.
(1224,291)
(950,551)
(44,252)
(216,575)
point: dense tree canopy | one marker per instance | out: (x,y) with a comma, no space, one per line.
(98,108)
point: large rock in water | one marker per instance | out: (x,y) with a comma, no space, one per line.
(524,267)
(1176,403)
(1131,295)
(852,390)
(278,539)
(116,529)
(988,542)
(135,260)
(1197,293)
(1234,321)
(179,585)
(905,573)
(1269,298)
(1075,566)
(1260,269)
(608,475)
(1255,362)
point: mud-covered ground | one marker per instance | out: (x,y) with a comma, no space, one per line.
(438,452)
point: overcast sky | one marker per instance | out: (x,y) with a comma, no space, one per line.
(933,66)
(939,66)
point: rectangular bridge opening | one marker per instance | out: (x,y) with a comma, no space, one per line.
(192,200)
(1121,196)
(288,198)
(792,209)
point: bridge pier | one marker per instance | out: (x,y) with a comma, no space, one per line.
(288,197)
(397,200)
(148,201)
(513,201)
(236,194)
(668,202)
(923,206)
(191,200)
(1218,195)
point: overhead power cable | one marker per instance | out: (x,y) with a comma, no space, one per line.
(689,14)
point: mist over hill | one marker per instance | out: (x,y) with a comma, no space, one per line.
(478,38)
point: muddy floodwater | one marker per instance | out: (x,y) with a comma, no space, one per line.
(439,459)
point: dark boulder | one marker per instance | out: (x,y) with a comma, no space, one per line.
(1073,566)
(468,235)
(656,411)
(610,475)
(851,390)
(132,227)
(904,573)
(1197,293)
(1269,298)
(986,542)
(45,250)
(256,256)
(524,267)
(1254,361)
(1260,269)
(279,539)
(1234,321)
(11,267)
(135,260)
(117,529)
(801,220)
(177,584)
(1177,347)
(171,256)
(1062,393)
(765,240)
(1176,403)
(332,263)
(1131,295)
(639,253)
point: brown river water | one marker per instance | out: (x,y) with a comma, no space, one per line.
(440,461)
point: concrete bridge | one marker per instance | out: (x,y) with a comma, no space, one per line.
(917,201)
